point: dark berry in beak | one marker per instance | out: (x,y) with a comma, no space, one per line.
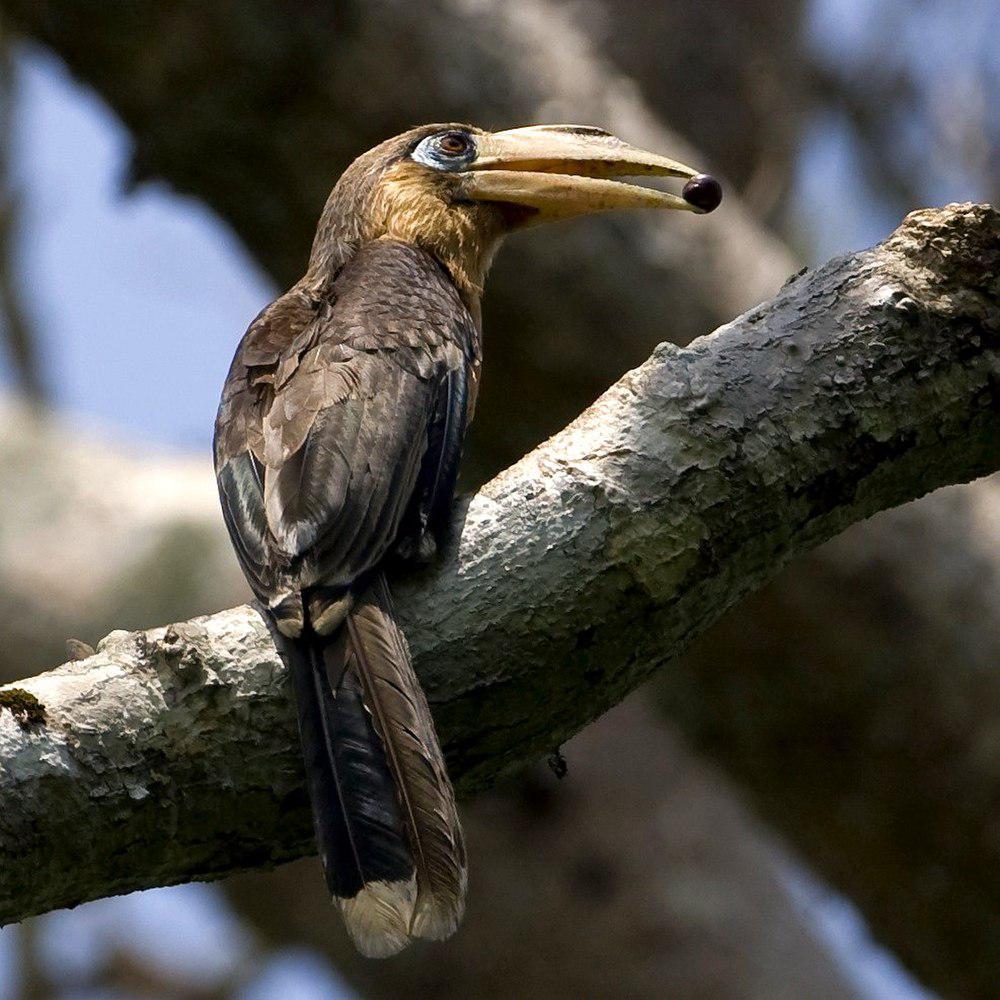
(703,191)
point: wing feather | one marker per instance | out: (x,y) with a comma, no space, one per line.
(330,434)
(379,654)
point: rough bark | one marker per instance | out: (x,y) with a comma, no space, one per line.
(577,572)
(539,893)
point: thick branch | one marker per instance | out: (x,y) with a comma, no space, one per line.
(593,561)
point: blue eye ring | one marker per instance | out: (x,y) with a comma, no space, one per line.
(451,150)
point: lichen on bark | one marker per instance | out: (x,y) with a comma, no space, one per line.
(26,709)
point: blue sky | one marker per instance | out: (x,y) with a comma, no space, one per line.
(138,299)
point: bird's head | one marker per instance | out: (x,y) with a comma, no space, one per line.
(456,190)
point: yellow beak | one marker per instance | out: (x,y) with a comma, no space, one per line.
(561,171)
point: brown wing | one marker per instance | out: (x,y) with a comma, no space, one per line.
(239,441)
(328,433)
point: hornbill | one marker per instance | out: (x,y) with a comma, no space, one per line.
(337,445)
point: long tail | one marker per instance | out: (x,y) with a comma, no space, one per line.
(383,804)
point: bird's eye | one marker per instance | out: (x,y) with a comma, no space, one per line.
(453,143)
(446,150)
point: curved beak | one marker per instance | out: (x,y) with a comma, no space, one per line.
(561,171)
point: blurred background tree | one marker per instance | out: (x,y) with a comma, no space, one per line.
(852,706)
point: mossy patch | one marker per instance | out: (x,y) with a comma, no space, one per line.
(24,706)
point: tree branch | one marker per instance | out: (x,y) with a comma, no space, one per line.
(594,560)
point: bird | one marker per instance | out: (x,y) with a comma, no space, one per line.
(337,445)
